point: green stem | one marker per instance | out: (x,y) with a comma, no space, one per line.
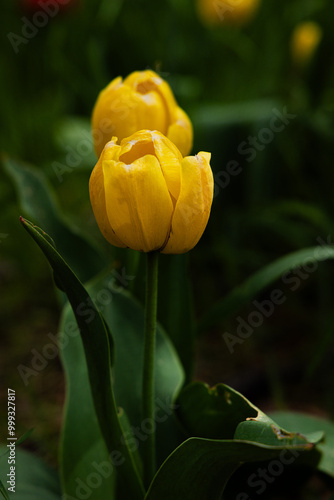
(149,354)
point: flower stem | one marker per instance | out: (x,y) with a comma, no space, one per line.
(149,355)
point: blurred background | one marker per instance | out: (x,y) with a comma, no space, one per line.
(259,87)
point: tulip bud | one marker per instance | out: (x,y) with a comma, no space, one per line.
(146,196)
(142,101)
(235,12)
(304,42)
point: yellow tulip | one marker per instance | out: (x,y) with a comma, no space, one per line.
(146,196)
(142,101)
(236,12)
(304,42)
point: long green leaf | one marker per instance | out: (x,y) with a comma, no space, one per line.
(243,293)
(3,491)
(39,203)
(83,451)
(96,343)
(200,468)
(125,318)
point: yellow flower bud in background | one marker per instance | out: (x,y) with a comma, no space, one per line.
(146,196)
(304,42)
(220,12)
(142,101)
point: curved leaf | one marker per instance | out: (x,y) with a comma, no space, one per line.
(39,203)
(220,412)
(212,412)
(125,318)
(96,343)
(200,468)
(259,281)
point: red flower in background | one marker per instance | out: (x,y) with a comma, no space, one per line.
(52,5)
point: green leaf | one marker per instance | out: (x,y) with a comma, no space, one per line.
(34,479)
(97,348)
(38,202)
(82,447)
(307,424)
(212,412)
(220,412)
(200,468)
(3,491)
(243,293)
(125,317)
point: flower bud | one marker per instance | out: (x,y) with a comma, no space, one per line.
(304,42)
(146,196)
(219,12)
(142,101)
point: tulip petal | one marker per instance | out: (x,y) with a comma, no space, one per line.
(147,142)
(98,201)
(181,132)
(193,205)
(122,111)
(170,160)
(148,81)
(139,206)
(180,129)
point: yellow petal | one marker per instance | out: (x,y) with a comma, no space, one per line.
(170,160)
(98,201)
(147,142)
(148,81)
(102,125)
(193,205)
(139,207)
(178,127)
(121,111)
(181,132)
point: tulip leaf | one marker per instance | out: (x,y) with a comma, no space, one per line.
(96,343)
(3,491)
(125,317)
(200,468)
(243,293)
(38,202)
(220,412)
(308,424)
(212,412)
(81,452)
(34,479)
